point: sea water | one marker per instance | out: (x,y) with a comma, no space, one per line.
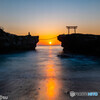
(43,75)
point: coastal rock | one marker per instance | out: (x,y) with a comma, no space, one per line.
(10,42)
(80,43)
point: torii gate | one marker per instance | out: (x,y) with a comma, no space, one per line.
(71,27)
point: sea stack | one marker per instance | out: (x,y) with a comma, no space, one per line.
(10,42)
(80,43)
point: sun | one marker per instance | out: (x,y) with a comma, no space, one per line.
(50,42)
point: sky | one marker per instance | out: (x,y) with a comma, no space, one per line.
(49,18)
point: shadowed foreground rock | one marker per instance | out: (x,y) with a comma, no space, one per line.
(10,42)
(81,43)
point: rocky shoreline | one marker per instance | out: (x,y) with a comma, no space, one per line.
(10,42)
(80,43)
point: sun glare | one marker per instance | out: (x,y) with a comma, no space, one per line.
(50,42)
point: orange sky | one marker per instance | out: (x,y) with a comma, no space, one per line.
(46,39)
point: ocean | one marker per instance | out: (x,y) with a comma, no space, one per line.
(43,75)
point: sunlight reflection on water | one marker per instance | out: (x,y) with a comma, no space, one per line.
(50,87)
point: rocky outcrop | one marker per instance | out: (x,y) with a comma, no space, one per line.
(81,43)
(10,42)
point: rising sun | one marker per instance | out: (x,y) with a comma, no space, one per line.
(50,42)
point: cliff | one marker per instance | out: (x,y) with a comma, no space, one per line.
(10,42)
(81,43)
